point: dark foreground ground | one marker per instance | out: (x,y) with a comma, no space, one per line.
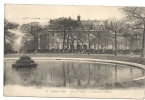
(128,58)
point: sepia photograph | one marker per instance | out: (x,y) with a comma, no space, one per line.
(79,51)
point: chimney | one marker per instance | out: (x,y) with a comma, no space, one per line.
(78,18)
(69,18)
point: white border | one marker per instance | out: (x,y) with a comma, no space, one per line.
(59,2)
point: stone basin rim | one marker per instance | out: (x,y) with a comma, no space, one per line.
(141,66)
(131,64)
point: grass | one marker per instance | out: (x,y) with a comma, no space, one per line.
(127,58)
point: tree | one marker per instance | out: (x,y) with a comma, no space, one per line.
(106,38)
(35,30)
(9,48)
(136,15)
(88,26)
(130,35)
(28,46)
(83,37)
(47,36)
(65,25)
(9,37)
(73,37)
(100,37)
(116,27)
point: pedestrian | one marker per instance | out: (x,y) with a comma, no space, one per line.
(132,54)
(82,51)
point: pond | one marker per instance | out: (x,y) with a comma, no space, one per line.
(55,73)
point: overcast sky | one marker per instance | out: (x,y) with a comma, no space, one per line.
(29,13)
(43,13)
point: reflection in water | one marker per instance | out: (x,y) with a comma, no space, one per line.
(64,77)
(131,73)
(143,72)
(89,73)
(68,73)
(116,73)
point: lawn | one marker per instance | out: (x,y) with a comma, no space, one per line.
(127,58)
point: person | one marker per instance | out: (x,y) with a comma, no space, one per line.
(132,54)
(82,51)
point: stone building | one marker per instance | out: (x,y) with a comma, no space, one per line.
(52,39)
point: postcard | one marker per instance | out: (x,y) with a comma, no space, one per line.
(74,51)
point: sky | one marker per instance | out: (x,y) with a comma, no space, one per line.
(43,13)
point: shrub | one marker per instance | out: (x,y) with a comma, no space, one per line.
(24,62)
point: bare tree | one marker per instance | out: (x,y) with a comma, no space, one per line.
(88,27)
(65,25)
(73,37)
(115,26)
(136,15)
(130,34)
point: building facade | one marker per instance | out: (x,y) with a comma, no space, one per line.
(52,39)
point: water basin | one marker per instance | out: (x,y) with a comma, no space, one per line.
(56,73)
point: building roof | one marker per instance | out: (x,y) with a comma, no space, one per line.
(93,24)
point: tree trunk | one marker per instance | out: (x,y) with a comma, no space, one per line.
(82,46)
(136,43)
(98,46)
(126,45)
(89,43)
(5,51)
(143,43)
(112,46)
(105,47)
(115,43)
(94,47)
(130,44)
(48,41)
(68,43)
(72,47)
(79,82)
(63,41)
(36,45)
(89,49)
